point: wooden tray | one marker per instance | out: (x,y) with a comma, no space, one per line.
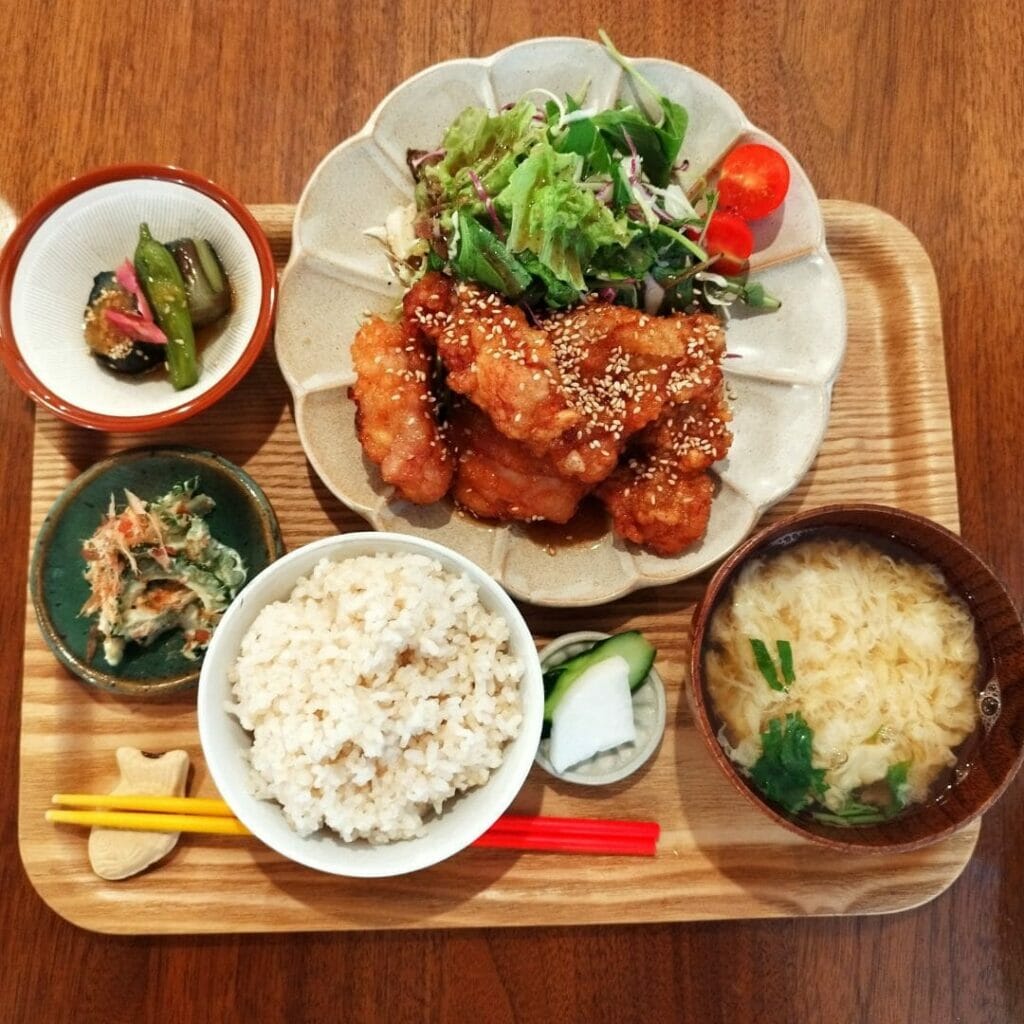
(889,441)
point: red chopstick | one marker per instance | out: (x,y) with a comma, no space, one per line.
(572,835)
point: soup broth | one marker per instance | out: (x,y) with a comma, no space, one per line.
(844,677)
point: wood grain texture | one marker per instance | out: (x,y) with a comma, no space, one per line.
(913,106)
(718,858)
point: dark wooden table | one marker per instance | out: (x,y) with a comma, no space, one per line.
(913,107)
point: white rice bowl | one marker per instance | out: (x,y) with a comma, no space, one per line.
(370,656)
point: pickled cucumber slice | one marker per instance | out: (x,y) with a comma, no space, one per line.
(637,651)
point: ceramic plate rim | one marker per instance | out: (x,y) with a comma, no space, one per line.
(625,582)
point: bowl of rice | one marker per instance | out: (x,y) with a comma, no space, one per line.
(370,704)
(857,672)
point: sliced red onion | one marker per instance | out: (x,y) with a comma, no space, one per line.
(135,326)
(645,202)
(434,154)
(648,199)
(674,202)
(484,198)
(127,278)
(531,316)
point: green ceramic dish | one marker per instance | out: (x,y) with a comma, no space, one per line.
(243,519)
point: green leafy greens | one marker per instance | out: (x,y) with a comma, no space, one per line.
(784,771)
(656,130)
(856,812)
(899,787)
(552,217)
(481,257)
(547,203)
(488,146)
(765,665)
(786,775)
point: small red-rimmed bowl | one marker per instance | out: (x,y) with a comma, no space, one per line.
(91,224)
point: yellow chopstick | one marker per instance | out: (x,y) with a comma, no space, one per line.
(154,822)
(161,804)
(147,813)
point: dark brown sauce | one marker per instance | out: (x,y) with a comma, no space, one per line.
(211,332)
(204,336)
(586,529)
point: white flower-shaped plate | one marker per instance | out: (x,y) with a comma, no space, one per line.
(781,383)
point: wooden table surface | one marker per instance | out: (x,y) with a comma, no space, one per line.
(913,107)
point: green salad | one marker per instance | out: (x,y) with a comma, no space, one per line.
(550,199)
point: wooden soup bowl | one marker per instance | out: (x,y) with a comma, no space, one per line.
(988,760)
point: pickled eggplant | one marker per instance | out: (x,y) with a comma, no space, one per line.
(110,323)
(209,294)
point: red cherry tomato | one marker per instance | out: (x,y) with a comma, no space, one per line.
(731,238)
(753,181)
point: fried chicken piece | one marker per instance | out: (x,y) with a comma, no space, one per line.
(495,358)
(429,301)
(576,388)
(621,368)
(548,411)
(664,510)
(498,478)
(396,412)
(660,497)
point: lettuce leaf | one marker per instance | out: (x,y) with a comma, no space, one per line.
(489,145)
(656,129)
(482,257)
(550,215)
(554,293)
(583,138)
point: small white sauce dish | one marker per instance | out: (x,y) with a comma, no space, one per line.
(648,716)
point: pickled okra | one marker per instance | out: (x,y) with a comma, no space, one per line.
(165,289)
